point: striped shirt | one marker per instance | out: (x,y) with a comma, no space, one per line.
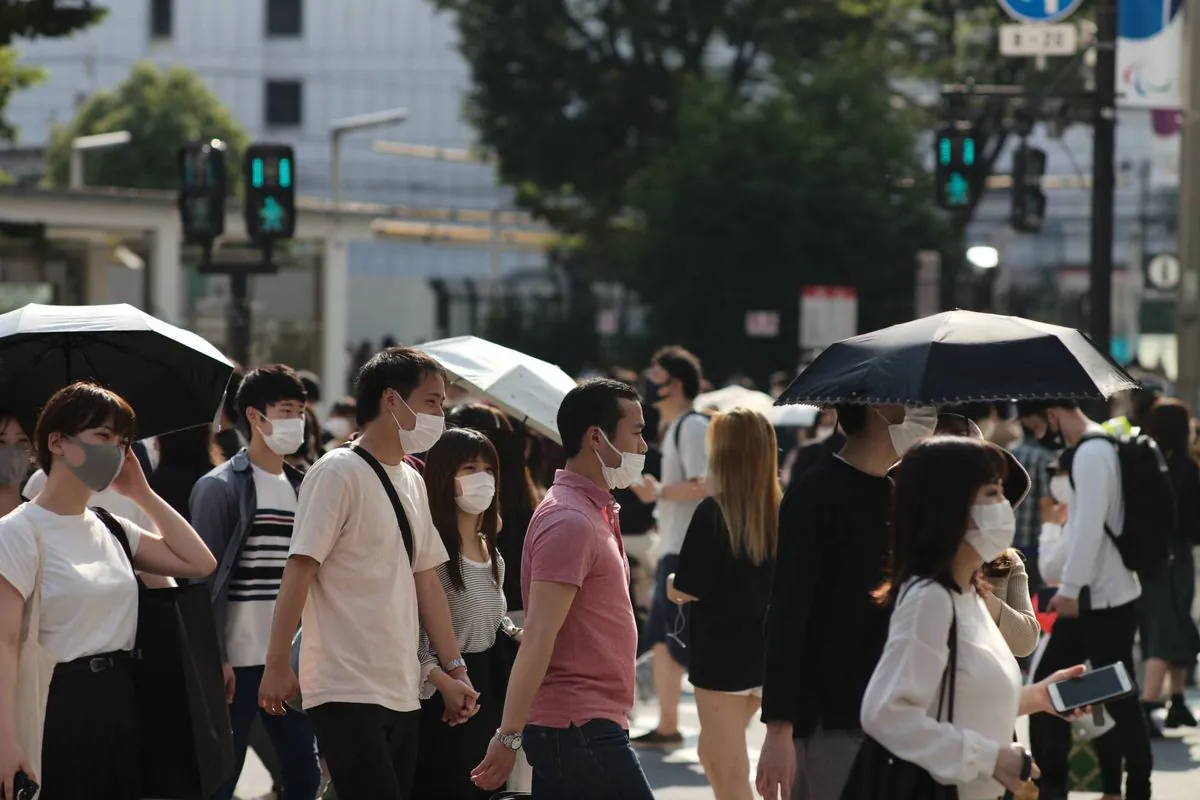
(255,582)
(476,611)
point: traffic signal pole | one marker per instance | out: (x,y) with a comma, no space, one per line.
(1188,310)
(239,320)
(1104,126)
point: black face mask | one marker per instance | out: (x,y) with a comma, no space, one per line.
(658,390)
(1052,439)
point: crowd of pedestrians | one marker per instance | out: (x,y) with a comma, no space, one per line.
(418,598)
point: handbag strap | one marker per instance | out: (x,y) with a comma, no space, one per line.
(946,690)
(32,618)
(390,488)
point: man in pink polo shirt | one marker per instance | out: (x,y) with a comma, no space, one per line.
(573,681)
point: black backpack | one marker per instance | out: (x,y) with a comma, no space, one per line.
(1144,543)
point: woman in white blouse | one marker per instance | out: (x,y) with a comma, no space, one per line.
(89,596)
(460,475)
(950,518)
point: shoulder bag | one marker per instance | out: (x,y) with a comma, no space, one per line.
(297,702)
(35,669)
(879,775)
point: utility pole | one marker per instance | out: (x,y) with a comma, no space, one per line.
(1188,309)
(1104,123)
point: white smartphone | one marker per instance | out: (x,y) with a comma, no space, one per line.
(1091,688)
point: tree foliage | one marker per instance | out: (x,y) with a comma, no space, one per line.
(14,77)
(162,109)
(32,19)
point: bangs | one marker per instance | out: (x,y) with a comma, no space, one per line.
(111,411)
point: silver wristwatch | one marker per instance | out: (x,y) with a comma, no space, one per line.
(512,741)
(457,663)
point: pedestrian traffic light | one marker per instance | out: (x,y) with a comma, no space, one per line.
(955,152)
(202,190)
(270,207)
(1028,200)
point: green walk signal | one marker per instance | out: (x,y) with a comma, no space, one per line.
(201,195)
(954,167)
(958,191)
(271,216)
(270,205)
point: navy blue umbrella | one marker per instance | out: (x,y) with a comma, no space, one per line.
(959,357)
(173,378)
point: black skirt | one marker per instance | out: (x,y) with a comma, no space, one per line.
(446,754)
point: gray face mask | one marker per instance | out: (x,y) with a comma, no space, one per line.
(14,464)
(101,464)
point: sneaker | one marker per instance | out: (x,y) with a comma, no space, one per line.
(658,740)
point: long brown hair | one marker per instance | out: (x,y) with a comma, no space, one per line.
(457,447)
(936,484)
(743,470)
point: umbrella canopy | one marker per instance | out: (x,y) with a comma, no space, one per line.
(171,377)
(800,416)
(527,389)
(959,357)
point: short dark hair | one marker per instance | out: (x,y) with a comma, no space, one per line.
(1029,408)
(682,365)
(1170,425)
(78,407)
(274,383)
(398,368)
(852,419)
(935,487)
(595,402)
(312,384)
(344,407)
(972,411)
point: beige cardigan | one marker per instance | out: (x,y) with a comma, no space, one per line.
(1018,623)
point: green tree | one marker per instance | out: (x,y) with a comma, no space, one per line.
(162,109)
(14,77)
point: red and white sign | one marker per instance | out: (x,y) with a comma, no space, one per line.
(762,324)
(828,314)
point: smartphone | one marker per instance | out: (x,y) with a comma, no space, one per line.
(1092,688)
(24,787)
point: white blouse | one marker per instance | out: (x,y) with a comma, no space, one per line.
(900,705)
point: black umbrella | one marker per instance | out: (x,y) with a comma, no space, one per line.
(959,357)
(171,377)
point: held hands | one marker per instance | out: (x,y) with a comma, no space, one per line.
(495,768)
(279,685)
(12,761)
(459,697)
(131,480)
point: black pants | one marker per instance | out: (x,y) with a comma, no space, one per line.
(90,746)
(371,751)
(447,754)
(1103,636)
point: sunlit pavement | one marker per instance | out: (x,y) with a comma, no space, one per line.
(676,774)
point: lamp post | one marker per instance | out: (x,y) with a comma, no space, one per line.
(340,127)
(985,259)
(95,142)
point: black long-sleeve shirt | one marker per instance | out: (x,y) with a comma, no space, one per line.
(824,631)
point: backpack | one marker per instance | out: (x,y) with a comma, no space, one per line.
(1144,543)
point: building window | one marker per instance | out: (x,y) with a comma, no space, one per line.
(284,103)
(162,13)
(285,17)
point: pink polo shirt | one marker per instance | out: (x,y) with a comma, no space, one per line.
(574,538)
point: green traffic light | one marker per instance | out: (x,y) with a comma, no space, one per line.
(958,191)
(271,216)
(969,151)
(285,172)
(944,151)
(256,173)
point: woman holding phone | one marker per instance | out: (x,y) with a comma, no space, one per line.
(950,518)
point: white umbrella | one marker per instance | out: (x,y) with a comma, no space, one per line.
(731,397)
(527,389)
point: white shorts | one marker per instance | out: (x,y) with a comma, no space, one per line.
(755,692)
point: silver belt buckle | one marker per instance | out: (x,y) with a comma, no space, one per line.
(98,664)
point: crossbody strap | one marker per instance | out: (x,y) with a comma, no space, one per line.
(389,487)
(946,690)
(32,619)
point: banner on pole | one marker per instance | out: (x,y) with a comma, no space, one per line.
(1149,53)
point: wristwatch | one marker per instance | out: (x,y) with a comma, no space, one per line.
(512,741)
(457,663)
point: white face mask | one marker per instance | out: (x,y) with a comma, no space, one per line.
(425,435)
(285,437)
(626,475)
(339,427)
(995,528)
(1060,489)
(478,491)
(919,423)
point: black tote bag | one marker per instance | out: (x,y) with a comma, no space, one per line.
(185,737)
(879,775)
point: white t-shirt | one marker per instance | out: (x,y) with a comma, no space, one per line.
(113,502)
(679,464)
(254,585)
(360,621)
(89,594)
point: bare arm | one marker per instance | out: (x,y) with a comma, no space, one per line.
(180,552)
(12,606)
(434,612)
(695,489)
(298,576)
(546,610)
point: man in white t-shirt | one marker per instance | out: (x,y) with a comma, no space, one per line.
(244,510)
(364,600)
(676,376)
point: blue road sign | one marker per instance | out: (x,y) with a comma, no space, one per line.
(1040,10)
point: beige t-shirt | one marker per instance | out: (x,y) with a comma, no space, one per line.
(360,621)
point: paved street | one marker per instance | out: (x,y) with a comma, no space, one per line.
(677,775)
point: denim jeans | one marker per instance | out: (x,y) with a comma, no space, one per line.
(593,761)
(292,736)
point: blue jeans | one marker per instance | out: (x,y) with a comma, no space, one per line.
(292,736)
(593,761)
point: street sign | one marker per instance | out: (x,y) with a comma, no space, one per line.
(1039,40)
(762,324)
(828,314)
(1040,10)
(1163,273)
